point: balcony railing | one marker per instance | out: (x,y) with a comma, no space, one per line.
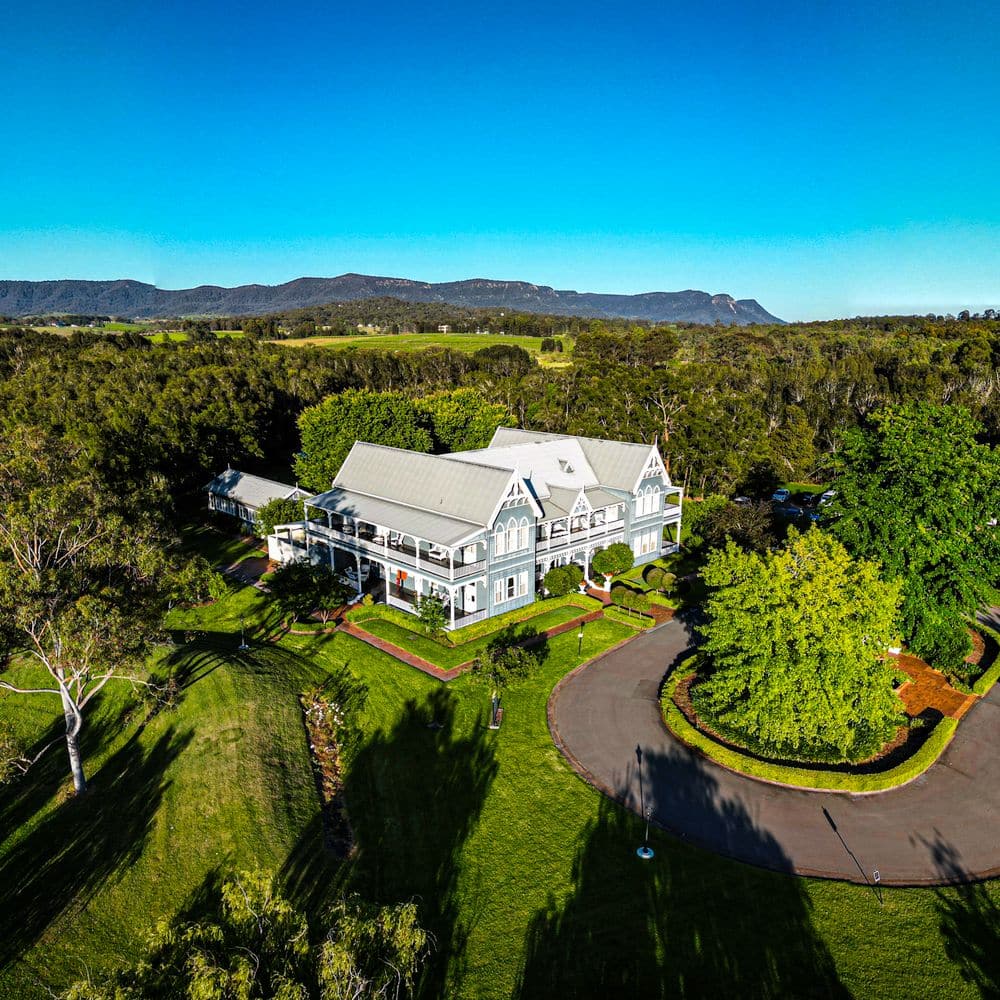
(404,600)
(402,554)
(598,532)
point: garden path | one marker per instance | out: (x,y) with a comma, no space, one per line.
(940,827)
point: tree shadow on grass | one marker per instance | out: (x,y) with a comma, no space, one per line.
(970,922)
(23,796)
(83,843)
(414,795)
(683,924)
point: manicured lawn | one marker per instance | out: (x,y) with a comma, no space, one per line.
(525,874)
(221,548)
(466,342)
(445,656)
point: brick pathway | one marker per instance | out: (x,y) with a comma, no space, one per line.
(401,654)
(929,688)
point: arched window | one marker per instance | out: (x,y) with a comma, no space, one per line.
(512,535)
(522,534)
(656,508)
(499,540)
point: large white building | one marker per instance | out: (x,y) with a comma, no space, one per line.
(481,528)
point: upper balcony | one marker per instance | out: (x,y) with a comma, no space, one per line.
(376,542)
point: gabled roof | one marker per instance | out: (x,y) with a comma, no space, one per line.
(545,464)
(433,483)
(424,524)
(253,491)
(615,464)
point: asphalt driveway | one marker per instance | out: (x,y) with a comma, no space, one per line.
(941,827)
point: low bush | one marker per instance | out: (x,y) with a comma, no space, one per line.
(635,619)
(802,777)
(991,675)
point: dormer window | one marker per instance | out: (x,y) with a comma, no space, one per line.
(566,467)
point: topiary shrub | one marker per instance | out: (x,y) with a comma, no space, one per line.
(574,574)
(557,581)
(653,577)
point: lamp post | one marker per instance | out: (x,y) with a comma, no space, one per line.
(243,641)
(579,640)
(645,852)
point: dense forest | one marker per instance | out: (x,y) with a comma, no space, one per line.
(733,410)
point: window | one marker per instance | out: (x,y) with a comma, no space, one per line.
(645,542)
(507,588)
(512,537)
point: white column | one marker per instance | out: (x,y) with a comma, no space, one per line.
(416,549)
(357,566)
(452,592)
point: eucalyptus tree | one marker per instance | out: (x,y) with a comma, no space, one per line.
(83,577)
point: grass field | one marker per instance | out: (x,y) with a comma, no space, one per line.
(467,342)
(525,874)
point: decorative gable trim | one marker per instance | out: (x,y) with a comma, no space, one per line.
(581,505)
(516,494)
(653,467)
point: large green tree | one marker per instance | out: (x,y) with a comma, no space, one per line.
(83,576)
(330,428)
(462,419)
(917,491)
(795,642)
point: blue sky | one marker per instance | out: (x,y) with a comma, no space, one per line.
(828,159)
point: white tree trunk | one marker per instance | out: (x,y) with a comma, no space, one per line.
(74,722)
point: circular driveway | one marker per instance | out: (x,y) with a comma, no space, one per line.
(941,827)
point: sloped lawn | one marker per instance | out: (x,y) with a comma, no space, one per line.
(525,874)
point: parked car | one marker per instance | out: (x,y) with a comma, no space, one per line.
(781,496)
(742,501)
(808,499)
(790,510)
(827,496)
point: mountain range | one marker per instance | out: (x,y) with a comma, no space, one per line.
(137,300)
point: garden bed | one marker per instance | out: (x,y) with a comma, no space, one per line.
(634,619)
(402,629)
(989,659)
(901,761)
(322,720)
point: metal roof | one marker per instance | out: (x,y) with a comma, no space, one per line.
(253,491)
(430,526)
(617,464)
(545,464)
(437,484)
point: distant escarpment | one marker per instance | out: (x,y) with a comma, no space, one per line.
(136,300)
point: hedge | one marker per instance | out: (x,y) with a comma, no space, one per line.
(469,632)
(801,777)
(636,619)
(989,677)
(476,630)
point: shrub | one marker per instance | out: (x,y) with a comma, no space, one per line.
(548,345)
(574,574)
(615,559)
(654,577)
(431,612)
(557,581)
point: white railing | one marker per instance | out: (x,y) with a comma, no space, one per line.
(397,554)
(598,532)
(469,617)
